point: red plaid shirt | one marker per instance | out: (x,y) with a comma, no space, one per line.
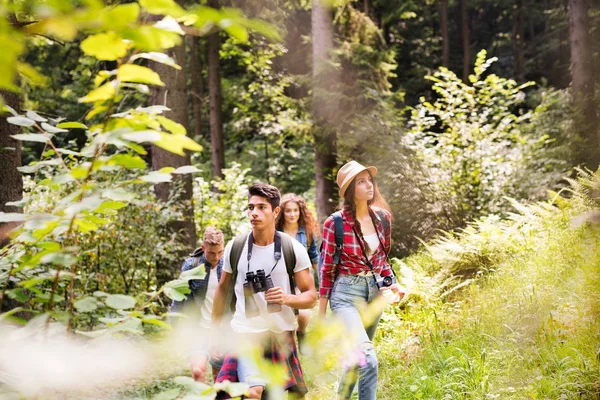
(352,261)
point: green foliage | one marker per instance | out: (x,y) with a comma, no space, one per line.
(503,309)
(222,203)
(91,223)
(471,143)
(268,130)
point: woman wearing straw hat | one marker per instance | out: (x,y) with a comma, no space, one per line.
(359,271)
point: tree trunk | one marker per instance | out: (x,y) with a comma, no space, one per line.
(585,146)
(11,181)
(214,89)
(197,84)
(174,96)
(324,109)
(466,38)
(517,40)
(444,29)
(366,7)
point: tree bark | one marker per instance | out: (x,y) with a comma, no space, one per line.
(197,84)
(517,39)
(11,180)
(466,39)
(585,144)
(324,109)
(174,96)
(444,29)
(214,89)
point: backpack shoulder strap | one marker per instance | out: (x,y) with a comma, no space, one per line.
(339,235)
(236,251)
(289,256)
(234,259)
(383,219)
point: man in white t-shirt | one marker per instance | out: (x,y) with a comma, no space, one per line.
(265,315)
(199,302)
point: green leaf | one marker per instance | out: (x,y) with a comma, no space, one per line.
(121,15)
(162,7)
(51,129)
(149,38)
(10,110)
(71,125)
(177,143)
(139,74)
(105,46)
(18,294)
(20,121)
(237,31)
(169,24)
(34,116)
(171,126)
(157,57)
(86,304)
(198,272)
(12,217)
(155,321)
(104,92)
(187,169)
(84,225)
(32,137)
(127,161)
(120,301)
(111,205)
(100,293)
(142,136)
(59,258)
(118,194)
(156,177)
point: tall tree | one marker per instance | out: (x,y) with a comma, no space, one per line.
(518,41)
(466,38)
(444,29)
(196,67)
(586,148)
(324,108)
(174,96)
(11,181)
(214,89)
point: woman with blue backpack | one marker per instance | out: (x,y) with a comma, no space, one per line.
(296,220)
(355,269)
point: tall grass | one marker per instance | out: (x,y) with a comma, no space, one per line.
(527,325)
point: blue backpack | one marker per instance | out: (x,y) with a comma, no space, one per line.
(339,237)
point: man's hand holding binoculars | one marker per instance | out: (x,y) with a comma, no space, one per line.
(277,295)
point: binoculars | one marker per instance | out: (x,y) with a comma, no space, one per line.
(257,282)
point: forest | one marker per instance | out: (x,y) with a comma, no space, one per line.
(127,128)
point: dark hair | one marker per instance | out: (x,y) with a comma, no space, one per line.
(270,192)
(306,218)
(350,205)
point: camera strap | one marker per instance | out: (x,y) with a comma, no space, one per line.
(276,251)
(362,248)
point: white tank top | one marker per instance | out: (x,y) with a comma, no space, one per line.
(373,241)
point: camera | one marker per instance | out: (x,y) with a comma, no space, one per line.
(384,281)
(257,282)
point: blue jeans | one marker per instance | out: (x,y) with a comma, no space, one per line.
(347,291)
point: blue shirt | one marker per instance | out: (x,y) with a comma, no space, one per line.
(198,287)
(302,237)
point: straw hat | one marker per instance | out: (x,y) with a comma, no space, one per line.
(349,172)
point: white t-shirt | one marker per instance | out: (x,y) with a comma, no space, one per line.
(207,304)
(262,258)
